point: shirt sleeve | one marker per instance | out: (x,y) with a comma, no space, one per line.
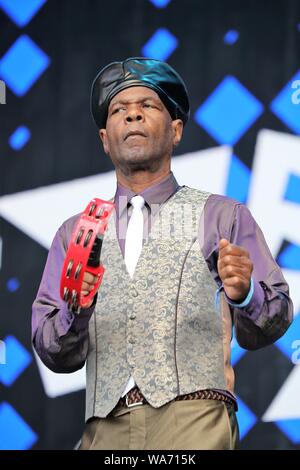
(268,312)
(59,336)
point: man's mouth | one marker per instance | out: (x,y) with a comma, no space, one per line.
(134,134)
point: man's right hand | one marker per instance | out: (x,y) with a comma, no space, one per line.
(89,281)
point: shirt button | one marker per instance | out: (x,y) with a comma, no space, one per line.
(131,340)
(132,316)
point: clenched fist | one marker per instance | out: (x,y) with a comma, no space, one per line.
(235,269)
(89,280)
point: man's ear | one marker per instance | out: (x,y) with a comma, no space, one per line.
(103,137)
(177,125)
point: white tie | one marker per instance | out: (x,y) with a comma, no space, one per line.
(134,234)
(133,248)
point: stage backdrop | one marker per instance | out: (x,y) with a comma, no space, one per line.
(241,64)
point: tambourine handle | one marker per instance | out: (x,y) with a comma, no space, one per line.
(83,253)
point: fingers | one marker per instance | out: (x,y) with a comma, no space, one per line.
(230,260)
(235,268)
(234,271)
(233,260)
(86,288)
(88,284)
(235,281)
(223,243)
(236,289)
(226,248)
(89,278)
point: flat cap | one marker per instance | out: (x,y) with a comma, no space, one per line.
(139,71)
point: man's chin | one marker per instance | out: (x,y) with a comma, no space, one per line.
(145,165)
(135,159)
(139,163)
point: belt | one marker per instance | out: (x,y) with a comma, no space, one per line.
(135,397)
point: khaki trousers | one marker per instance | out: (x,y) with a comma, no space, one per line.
(180,425)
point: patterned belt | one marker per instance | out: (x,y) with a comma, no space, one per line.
(135,397)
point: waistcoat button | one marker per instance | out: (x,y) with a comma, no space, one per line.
(133,292)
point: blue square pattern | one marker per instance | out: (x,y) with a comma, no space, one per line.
(16,361)
(289,342)
(286,105)
(21,11)
(160,3)
(19,138)
(13,284)
(231,37)
(291,428)
(236,351)
(246,418)
(229,111)
(238,180)
(161,45)
(290,257)
(292,192)
(22,65)
(15,433)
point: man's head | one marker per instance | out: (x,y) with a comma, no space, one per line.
(140,107)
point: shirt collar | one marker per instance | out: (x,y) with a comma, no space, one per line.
(155,195)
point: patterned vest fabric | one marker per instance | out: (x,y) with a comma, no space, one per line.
(162,326)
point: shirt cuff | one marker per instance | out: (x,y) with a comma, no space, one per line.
(69,321)
(255,305)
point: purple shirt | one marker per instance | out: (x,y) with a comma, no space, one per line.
(61,337)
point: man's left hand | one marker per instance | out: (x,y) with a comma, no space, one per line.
(235,269)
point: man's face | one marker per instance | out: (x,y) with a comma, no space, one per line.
(140,133)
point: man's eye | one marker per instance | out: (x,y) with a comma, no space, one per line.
(147,105)
(117,110)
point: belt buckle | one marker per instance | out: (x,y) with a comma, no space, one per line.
(131,405)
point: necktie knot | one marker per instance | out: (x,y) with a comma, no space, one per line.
(137,202)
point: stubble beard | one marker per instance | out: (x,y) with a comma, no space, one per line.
(139,162)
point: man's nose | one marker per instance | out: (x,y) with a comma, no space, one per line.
(134,114)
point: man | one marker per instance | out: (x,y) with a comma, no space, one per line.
(182,267)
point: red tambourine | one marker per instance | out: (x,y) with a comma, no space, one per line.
(84,254)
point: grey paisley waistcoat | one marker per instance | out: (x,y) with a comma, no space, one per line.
(162,326)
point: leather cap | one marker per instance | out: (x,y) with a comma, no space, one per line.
(139,71)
